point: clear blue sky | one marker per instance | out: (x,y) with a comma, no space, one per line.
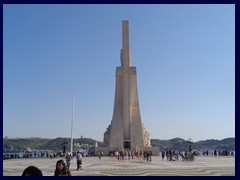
(184,54)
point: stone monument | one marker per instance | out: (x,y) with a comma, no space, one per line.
(126,131)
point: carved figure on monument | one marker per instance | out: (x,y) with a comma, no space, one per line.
(146,137)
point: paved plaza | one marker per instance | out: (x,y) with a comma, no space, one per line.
(107,166)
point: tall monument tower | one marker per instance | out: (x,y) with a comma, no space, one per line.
(126,130)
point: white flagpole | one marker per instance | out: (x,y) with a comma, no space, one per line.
(73,101)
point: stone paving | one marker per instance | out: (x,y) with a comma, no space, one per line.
(107,166)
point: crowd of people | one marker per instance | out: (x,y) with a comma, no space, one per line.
(172,155)
(63,166)
(127,155)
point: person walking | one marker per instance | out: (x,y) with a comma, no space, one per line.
(68,161)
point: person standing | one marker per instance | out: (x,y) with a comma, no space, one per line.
(147,154)
(79,160)
(61,169)
(99,155)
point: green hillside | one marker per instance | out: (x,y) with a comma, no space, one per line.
(181,144)
(21,144)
